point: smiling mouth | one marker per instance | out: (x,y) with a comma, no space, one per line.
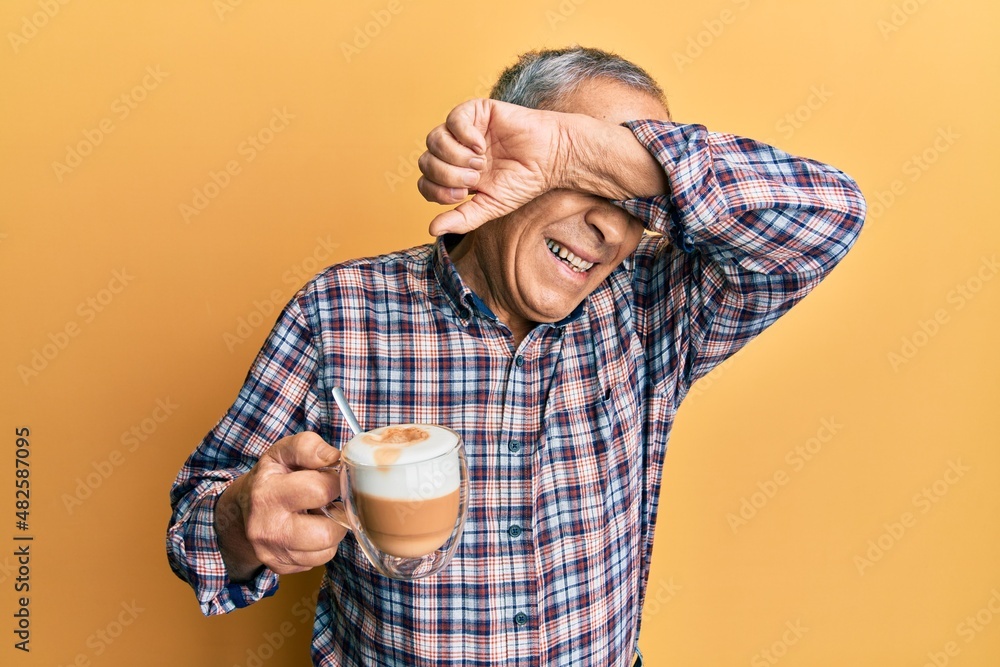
(572,261)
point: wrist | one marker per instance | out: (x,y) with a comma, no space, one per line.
(580,147)
(606,160)
(230,530)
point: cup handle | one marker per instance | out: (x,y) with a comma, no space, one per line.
(335,508)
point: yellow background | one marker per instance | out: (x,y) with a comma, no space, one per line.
(868,84)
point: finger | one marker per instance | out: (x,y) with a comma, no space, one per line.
(439,194)
(303,451)
(449,222)
(275,496)
(306,489)
(446,174)
(312,533)
(293,562)
(306,560)
(442,144)
(463,123)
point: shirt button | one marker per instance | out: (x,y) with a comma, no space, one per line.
(465,314)
(514,446)
(514,531)
(520,618)
(519,361)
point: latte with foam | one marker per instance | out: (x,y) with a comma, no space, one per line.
(405,486)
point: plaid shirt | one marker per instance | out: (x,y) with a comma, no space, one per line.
(565,434)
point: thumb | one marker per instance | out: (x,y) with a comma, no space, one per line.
(303,451)
(463,218)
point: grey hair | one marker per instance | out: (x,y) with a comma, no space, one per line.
(540,78)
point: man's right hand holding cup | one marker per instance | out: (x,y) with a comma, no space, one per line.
(263,518)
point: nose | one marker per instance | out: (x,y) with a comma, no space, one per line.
(608,221)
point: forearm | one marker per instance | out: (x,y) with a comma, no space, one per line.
(752,230)
(608,160)
(194,552)
(739,199)
(230,528)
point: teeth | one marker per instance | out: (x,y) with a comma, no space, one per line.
(565,255)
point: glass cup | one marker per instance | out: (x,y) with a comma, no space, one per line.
(404,494)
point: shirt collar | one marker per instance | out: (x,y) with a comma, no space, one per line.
(463,300)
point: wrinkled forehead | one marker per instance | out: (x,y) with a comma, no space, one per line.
(611,101)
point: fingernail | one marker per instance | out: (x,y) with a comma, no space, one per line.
(477,163)
(458,193)
(470,178)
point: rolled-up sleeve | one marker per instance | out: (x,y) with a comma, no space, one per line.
(279,397)
(752,230)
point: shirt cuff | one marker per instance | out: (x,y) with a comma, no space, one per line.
(193,546)
(668,143)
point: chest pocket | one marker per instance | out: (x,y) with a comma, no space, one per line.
(590,455)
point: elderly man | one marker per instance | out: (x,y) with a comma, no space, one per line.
(546,327)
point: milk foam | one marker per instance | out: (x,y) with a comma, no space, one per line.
(418,471)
